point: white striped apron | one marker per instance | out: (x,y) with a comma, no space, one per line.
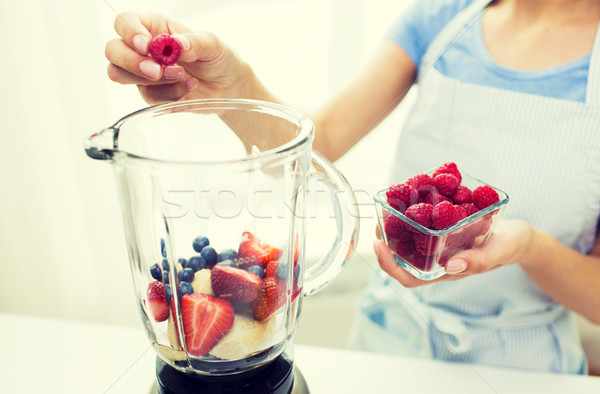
(545,153)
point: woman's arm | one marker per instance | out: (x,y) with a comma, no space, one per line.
(570,278)
(365,103)
(209,68)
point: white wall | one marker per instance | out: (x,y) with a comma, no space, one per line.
(62,250)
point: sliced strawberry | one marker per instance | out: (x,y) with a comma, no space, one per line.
(272,297)
(296,252)
(234,284)
(271,269)
(253,251)
(296,291)
(157,301)
(206,319)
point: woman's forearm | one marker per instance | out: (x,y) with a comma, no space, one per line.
(570,278)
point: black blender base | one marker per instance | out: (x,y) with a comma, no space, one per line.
(277,377)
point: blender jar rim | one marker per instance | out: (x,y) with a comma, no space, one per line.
(112,152)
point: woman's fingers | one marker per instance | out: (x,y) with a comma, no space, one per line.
(203,46)
(171,74)
(135,28)
(392,268)
(156,94)
(119,54)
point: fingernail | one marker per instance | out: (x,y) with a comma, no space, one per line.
(185,43)
(173,72)
(191,83)
(456,266)
(140,43)
(376,248)
(150,68)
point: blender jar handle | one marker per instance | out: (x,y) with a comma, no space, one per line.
(102,145)
(329,266)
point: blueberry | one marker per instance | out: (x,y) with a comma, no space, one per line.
(297,273)
(163,248)
(200,243)
(156,272)
(196,263)
(185,288)
(165,265)
(256,269)
(186,275)
(228,254)
(210,255)
(228,263)
(182,261)
(168,291)
(166,277)
(282,271)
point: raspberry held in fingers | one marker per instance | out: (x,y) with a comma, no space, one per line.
(165,50)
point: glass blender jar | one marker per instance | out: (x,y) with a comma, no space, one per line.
(214,203)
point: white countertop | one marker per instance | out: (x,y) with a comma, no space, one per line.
(60,356)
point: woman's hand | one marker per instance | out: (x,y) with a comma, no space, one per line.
(508,244)
(206,67)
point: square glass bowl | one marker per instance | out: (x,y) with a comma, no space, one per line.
(424,252)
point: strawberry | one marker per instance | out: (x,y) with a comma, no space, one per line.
(271,269)
(234,284)
(157,301)
(272,297)
(484,196)
(253,251)
(296,252)
(448,168)
(164,49)
(206,319)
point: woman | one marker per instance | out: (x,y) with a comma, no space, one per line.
(510,91)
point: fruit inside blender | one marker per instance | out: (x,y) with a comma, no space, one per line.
(229,300)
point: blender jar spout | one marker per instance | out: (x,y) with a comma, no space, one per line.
(101,145)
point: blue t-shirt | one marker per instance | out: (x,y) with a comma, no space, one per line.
(468,60)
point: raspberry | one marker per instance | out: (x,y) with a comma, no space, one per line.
(469,208)
(462,213)
(420,213)
(422,182)
(434,198)
(448,168)
(462,195)
(164,49)
(445,184)
(425,245)
(444,215)
(395,229)
(405,249)
(401,196)
(484,196)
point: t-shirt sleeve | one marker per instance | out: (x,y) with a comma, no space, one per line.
(421,22)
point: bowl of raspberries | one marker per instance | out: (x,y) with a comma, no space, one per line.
(431,216)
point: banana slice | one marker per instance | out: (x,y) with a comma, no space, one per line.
(168,353)
(172,334)
(201,282)
(245,337)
